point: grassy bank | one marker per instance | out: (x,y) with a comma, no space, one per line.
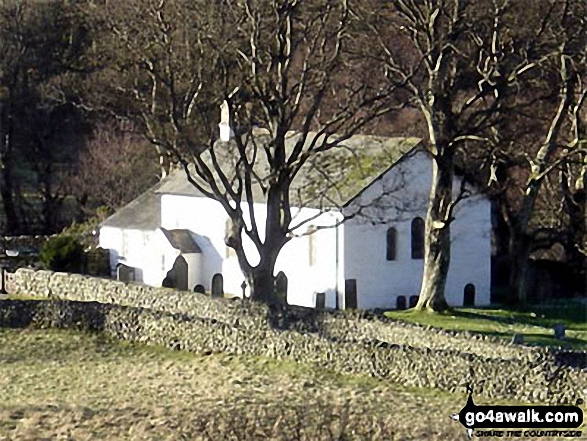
(536,323)
(68,385)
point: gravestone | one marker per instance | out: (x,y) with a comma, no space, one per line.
(413,301)
(125,273)
(320,300)
(200,289)
(167,282)
(179,273)
(217,286)
(559,331)
(518,339)
(281,288)
(350,294)
(469,295)
(400,303)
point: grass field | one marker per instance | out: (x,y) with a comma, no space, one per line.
(75,386)
(535,323)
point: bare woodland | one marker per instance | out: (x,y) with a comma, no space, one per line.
(495,89)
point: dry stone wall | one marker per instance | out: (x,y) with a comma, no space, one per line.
(538,381)
(356,341)
(340,326)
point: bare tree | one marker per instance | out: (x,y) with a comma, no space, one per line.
(460,63)
(541,141)
(275,66)
(41,44)
(115,167)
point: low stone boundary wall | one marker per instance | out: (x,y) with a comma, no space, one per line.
(16,242)
(536,381)
(350,326)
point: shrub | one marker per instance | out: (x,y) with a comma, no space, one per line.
(62,253)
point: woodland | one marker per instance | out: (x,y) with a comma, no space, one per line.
(101,99)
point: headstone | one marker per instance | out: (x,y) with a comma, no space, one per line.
(350,294)
(559,331)
(179,273)
(125,273)
(469,295)
(167,282)
(400,303)
(200,289)
(518,339)
(320,300)
(413,301)
(281,288)
(217,286)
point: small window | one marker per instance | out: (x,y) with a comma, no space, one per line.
(418,238)
(469,295)
(413,301)
(391,243)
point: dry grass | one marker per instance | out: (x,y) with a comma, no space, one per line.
(62,385)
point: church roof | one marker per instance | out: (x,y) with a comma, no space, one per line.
(330,179)
(143,213)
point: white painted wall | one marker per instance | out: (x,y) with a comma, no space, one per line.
(380,281)
(358,246)
(138,249)
(208,219)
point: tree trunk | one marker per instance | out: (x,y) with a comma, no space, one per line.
(519,252)
(437,243)
(262,283)
(12,223)
(6,178)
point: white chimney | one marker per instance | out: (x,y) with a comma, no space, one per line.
(226,133)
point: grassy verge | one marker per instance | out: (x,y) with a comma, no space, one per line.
(69,385)
(535,323)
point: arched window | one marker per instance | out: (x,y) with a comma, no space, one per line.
(418,238)
(469,295)
(391,243)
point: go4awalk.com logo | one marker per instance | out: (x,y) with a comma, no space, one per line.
(520,421)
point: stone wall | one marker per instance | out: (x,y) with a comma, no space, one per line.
(356,341)
(19,242)
(536,381)
(343,325)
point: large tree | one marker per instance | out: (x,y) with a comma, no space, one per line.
(275,66)
(41,43)
(462,64)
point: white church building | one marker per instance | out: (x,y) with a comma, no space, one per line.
(369,239)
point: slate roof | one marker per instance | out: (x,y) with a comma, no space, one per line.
(144,213)
(348,170)
(182,240)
